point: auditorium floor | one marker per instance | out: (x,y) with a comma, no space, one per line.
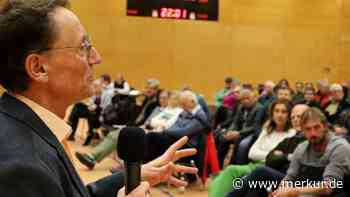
(102,169)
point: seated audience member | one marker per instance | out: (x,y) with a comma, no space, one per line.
(201,102)
(192,122)
(204,105)
(163,98)
(299,92)
(280,156)
(324,157)
(336,105)
(278,159)
(309,85)
(231,98)
(309,98)
(220,95)
(284,93)
(123,111)
(283,83)
(109,143)
(322,94)
(274,131)
(229,104)
(260,88)
(134,107)
(267,96)
(189,123)
(91,111)
(168,116)
(346,87)
(121,87)
(247,120)
(114,112)
(107,90)
(342,125)
(152,92)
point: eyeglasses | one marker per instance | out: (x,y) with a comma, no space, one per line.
(84,49)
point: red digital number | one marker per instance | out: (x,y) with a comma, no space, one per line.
(173,13)
(178,13)
(184,13)
(163,12)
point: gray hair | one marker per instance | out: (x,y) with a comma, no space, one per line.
(246,91)
(323,83)
(269,82)
(335,87)
(153,82)
(188,94)
(313,113)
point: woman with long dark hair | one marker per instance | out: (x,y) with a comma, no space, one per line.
(277,128)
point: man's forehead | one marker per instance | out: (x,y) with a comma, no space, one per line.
(313,122)
(247,96)
(299,109)
(283,91)
(68,26)
(280,106)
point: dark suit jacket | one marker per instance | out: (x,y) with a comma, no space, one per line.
(34,164)
(253,122)
(287,146)
(343,106)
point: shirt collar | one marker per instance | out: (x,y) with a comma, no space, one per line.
(57,125)
(196,109)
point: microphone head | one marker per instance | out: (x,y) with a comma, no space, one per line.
(131,144)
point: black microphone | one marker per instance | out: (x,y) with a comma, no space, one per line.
(131,148)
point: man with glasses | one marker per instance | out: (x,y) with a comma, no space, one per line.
(47,64)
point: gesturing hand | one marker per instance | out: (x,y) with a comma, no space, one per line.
(163,168)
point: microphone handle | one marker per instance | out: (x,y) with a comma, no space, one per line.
(133,176)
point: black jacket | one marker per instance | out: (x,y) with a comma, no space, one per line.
(334,118)
(33,162)
(287,146)
(253,121)
(251,125)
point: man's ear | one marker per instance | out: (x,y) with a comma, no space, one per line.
(194,104)
(36,68)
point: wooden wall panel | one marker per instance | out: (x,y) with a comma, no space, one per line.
(256,60)
(197,58)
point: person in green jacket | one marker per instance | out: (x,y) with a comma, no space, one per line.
(220,95)
(276,129)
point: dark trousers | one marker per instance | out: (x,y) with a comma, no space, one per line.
(262,173)
(221,115)
(223,148)
(80,110)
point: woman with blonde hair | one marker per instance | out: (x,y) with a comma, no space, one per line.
(168,116)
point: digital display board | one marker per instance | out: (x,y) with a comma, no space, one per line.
(174,9)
